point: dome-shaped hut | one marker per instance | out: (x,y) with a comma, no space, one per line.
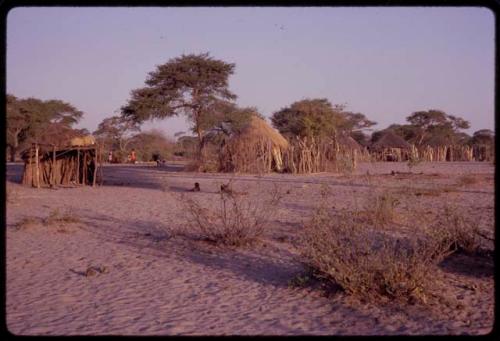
(390,147)
(258,148)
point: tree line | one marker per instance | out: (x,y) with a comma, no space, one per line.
(196,86)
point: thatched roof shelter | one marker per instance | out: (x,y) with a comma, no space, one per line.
(53,165)
(348,142)
(257,148)
(390,140)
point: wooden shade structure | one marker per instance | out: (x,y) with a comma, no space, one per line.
(47,165)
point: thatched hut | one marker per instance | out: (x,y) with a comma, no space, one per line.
(390,147)
(258,148)
(49,165)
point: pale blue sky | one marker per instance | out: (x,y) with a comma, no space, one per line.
(384,62)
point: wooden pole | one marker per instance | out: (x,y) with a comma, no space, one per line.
(53,170)
(84,169)
(95,167)
(77,166)
(100,167)
(30,165)
(37,167)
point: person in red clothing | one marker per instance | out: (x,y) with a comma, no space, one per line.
(132,156)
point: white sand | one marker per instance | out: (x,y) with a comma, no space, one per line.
(160,282)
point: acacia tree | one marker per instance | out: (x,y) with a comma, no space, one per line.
(117,132)
(483,137)
(355,124)
(308,117)
(187,85)
(32,119)
(435,123)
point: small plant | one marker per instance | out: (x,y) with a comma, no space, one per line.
(464,233)
(413,161)
(235,221)
(380,207)
(56,217)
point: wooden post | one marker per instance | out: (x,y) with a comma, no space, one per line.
(77,166)
(31,167)
(84,169)
(37,167)
(95,167)
(100,167)
(53,170)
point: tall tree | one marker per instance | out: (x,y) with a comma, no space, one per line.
(187,85)
(437,124)
(308,117)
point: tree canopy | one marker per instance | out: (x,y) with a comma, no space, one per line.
(436,125)
(32,119)
(188,85)
(308,117)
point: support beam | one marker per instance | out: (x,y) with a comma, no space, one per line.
(95,167)
(37,167)
(53,168)
(77,166)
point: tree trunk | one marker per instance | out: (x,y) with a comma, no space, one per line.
(13,152)
(14,147)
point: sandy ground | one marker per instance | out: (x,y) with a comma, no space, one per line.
(160,281)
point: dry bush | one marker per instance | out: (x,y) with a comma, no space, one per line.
(351,249)
(380,207)
(56,217)
(235,221)
(343,249)
(461,231)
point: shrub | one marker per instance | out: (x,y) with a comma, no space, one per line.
(380,207)
(461,232)
(351,250)
(235,221)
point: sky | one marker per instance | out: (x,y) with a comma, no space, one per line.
(385,62)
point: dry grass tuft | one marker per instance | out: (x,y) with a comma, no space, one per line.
(56,217)
(236,220)
(27,222)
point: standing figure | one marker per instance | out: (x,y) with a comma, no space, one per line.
(110,156)
(132,156)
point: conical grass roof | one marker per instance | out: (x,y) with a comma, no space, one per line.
(258,130)
(391,140)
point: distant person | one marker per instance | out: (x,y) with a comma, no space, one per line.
(110,156)
(132,156)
